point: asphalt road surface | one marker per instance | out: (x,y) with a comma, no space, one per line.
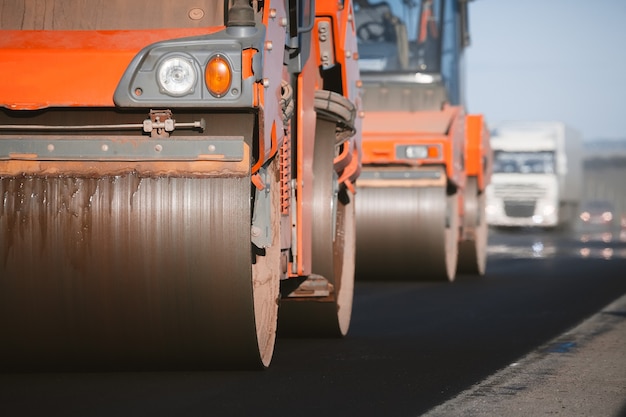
(411,346)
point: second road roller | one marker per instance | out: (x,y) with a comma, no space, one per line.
(426,162)
(177,180)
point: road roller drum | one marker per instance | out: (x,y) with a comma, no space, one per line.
(129,270)
(405,231)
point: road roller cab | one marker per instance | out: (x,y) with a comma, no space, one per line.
(418,203)
(172,172)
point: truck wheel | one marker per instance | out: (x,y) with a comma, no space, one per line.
(473,249)
(133,273)
(406,233)
(333,244)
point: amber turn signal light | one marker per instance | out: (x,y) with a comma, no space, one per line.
(218,76)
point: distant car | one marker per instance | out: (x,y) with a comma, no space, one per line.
(597,215)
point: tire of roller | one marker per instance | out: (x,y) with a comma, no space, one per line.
(333,252)
(473,252)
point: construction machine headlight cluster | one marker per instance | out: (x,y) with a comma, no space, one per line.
(205,71)
(177,75)
(418,152)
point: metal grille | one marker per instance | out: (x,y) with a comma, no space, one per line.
(519,208)
(523,192)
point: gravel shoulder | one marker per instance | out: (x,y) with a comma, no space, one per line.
(580,373)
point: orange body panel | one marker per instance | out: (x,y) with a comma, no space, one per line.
(340,18)
(478,150)
(383,132)
(345,46)
(97,58)
(349,161)
(308,82)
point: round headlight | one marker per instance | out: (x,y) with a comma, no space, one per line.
(176,76)
(218,76)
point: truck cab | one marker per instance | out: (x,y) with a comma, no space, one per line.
(536,175)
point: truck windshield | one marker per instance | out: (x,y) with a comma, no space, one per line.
(398,35)
(110,15)
(524,162)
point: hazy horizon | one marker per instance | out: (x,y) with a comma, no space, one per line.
(558,60)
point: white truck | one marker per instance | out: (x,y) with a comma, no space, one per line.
(537,175)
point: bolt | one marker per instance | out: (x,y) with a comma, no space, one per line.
(212,148)
(196,14)
(105,147)
(266,82)
(269,45)
(158,148)
(255,231)
(272,13)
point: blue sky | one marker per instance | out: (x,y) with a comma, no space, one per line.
(549,60)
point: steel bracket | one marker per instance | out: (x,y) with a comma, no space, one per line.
(261,230)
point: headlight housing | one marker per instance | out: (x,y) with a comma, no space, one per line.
(218,70)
